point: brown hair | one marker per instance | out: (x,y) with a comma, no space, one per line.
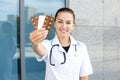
(66,10)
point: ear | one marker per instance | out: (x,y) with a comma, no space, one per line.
(73,26)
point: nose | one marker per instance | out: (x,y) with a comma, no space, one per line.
(64,26)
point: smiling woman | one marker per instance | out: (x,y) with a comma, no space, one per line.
(66,58)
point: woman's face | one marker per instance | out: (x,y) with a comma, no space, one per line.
(64,24)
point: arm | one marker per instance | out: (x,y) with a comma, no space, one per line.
(84,78)
(86,67)
(36,38)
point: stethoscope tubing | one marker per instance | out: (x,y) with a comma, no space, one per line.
(51,55)
(64,55)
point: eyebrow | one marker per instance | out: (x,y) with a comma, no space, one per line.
(59,19)
(62,20)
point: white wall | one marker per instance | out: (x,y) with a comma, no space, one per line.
(98,25)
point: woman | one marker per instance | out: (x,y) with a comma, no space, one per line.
(65,57)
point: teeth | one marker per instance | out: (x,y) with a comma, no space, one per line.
(63,30)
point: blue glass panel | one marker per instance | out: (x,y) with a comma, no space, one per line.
(36,70)
(9,50)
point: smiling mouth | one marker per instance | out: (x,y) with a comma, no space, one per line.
(63,31)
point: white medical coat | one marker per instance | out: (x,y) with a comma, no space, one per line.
(77,62)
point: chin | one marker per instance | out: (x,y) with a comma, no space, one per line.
(64,35)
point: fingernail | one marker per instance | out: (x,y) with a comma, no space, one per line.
(46,31)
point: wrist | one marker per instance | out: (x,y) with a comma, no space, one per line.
(34,46)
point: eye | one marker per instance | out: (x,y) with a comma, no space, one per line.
(68,22)
(60,22)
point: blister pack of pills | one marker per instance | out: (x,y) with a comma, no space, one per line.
(42,21)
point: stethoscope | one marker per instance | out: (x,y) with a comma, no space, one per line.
(64,55)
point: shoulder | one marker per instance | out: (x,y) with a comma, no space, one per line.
(81,43)
(76,41)
(82,47)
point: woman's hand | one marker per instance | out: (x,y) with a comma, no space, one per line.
(38,35)
(84,78)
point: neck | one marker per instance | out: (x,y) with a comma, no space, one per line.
(64,41)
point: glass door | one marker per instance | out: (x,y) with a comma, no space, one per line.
(9,40)
(36,70)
